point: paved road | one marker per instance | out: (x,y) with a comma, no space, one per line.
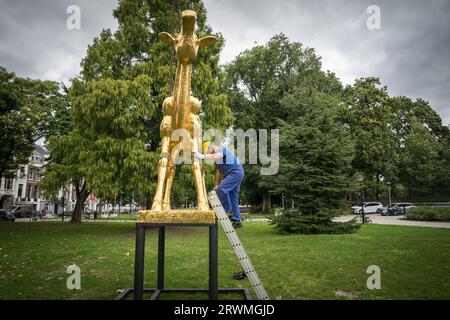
(397,220)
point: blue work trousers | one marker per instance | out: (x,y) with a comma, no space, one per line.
(228,192)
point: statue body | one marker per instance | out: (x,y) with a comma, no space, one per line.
(181,111)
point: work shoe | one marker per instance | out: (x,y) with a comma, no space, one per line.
(237,224)
(239,275)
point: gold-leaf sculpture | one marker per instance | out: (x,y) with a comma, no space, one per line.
(181,111)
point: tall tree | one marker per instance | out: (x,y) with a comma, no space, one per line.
(421,140)
(64,168)
(419,159)
(117,97)
(315,151)
(369,116)
(407,112)
(257,81)
(442,183)
(26,110)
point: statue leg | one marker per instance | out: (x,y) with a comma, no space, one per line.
(163,167)
(196,145)
(169,184)
(174,154)
(199,180)
(205,193)
(202,202)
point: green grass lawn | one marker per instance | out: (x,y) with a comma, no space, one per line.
(414,262)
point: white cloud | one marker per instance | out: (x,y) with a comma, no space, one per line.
(410,53)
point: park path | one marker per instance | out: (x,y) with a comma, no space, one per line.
(397,220)
(376,219)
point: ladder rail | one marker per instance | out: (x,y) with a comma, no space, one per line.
(237,247)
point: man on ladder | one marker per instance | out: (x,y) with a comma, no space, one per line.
(224,200)
(229,176)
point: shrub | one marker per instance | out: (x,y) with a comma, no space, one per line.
(278,211)
(429,214)
(295,222)
(255,209)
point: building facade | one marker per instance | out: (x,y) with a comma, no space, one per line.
(23,189)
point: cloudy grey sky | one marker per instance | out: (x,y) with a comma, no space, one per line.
(409,53)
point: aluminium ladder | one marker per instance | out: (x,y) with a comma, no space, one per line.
(237,246)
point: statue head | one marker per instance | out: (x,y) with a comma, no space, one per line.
(188,20)
(187,44)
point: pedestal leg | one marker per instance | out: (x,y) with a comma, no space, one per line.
(161,248)
(213,263)
(139,263)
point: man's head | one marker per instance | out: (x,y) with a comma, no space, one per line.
(209,147)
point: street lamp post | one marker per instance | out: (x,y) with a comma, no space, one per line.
(63,202)
(359,180)
(363,217)
(389,192)
(120,202)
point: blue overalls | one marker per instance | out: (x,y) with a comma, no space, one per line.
(228,190)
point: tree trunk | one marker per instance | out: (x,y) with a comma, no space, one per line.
(410,193)
(267,203)
(377,188)
(82,195)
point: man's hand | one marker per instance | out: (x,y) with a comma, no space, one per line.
(199,156)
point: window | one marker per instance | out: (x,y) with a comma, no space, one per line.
(8,184)
(19,192)
(28,195)
(22,173)
(35,192)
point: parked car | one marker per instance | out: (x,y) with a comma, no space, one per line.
(22,210)
(5,215)
(383,211)
(369,207)
(396,209)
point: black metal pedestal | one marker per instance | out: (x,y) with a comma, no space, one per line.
(138,290)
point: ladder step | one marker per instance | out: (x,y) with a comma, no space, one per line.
(237,246)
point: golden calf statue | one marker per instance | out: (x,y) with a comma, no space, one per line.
(181,111)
